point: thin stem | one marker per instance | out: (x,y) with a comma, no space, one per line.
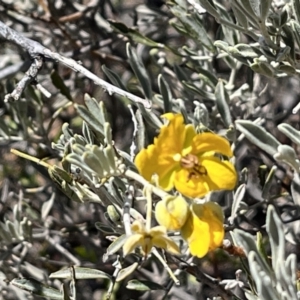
(37,50)
(172,275)
(32,158)
(63,251)
(136,177)
(134,134)
(126,211)
(148,192)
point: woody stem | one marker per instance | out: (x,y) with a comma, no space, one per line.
(148,194)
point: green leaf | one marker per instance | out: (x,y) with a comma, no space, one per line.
(290,132)
(296,8)
(262,68)
(199,91)
(276,234)
(258,136)
(245,8)
(240,16)
(166,93)
(268,183)
(60,85)
(140,71)
(238,197)
(246,51)
(260,246)
(265,9)
(104,228)
(194,27)
(255,5)
(295,27)
(80,273)
(115,246)
(287,36)
(209,74)
(114,78)
(88,117)
(295,189)
(36,288)
(127,271)
(287,154)
(134,34)
(222,101)
(96,108)
(229,34)
(246,240)
(143,285)
(222,45)
(210,7)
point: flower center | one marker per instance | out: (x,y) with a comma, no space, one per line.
(191,163)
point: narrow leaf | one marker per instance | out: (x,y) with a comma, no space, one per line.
(265,9)
(238,197)
(134,34)
(87,116)
(60,85)
(115,246)
(222,101)
(143,285)
(36,288)
(80,273)
(166,93)
(126,272)
(139,70)
(258,136)
(290,132)
(114,78)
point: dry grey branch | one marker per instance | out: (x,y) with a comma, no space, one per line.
(36,50)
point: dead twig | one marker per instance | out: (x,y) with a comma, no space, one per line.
(37,51)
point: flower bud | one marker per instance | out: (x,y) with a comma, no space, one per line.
(172,212)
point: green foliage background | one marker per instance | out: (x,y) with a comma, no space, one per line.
(230,66)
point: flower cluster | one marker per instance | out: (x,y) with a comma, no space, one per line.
(146,239)
(201,225)
(194,164)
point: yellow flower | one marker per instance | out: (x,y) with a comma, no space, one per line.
(203,229)
(172,212)
(155,237)
(187,160)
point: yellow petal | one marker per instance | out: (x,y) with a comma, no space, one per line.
(212,214)
(204,229)
(158,158)
(172,136)
(147,244)
(216,234)
(179,132)
(207,141)
(197,234)
(166,243)
(166,179)
(190,133)
(145,161)
(132,242)
(193,187)
(138,227)
(220,175)
(171,212)
(214,210)
(157,230)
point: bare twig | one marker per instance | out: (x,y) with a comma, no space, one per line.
(29,76)
(126,209)
(37,51)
